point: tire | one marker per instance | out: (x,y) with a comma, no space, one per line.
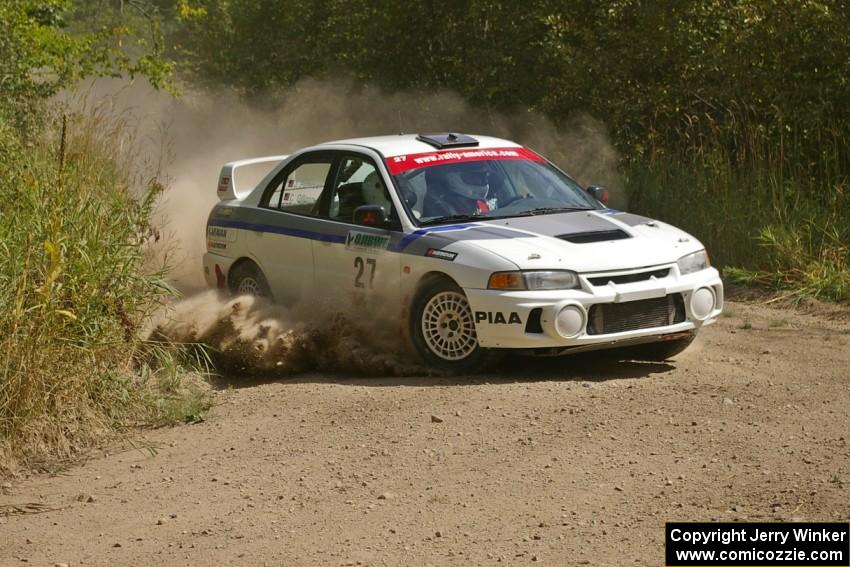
(660,351)
(442,330)
(247,279)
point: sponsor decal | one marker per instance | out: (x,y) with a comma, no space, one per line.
(301,194)
(441,254)
(400,164)
(366,241)
(498,318)
(217,245)
(297,197)
(217,232)
(223,183)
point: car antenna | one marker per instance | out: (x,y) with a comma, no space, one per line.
(400,129)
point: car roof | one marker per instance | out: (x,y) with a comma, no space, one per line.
(407,144)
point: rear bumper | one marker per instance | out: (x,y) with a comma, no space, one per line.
(529,319)
(216,268)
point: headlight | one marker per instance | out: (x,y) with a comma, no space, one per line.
(693,262)
(534,280)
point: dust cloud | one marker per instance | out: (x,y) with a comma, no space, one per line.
(189,138)
(249,336)
(194,135)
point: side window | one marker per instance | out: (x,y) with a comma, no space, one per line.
(298,191)
(357,183)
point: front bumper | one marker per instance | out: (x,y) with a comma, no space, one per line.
(529,319)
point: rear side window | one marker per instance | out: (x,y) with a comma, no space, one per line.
(357,183)
(299,189)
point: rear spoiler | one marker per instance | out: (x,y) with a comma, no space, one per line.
(228,189)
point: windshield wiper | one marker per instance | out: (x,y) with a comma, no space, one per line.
(547,210)
(453,218)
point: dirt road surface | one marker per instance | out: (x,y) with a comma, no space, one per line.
(549,462)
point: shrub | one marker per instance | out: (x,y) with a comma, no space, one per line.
(766,212)
(76,284)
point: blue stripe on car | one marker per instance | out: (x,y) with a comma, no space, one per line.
(339,239)
(400,243)
(298,233)
(417,234)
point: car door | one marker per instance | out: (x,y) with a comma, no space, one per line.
(356,266)
(288,217)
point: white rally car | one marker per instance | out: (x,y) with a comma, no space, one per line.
(476,244)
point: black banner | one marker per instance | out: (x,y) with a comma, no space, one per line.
(757,544)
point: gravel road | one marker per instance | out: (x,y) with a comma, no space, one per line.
(559,462)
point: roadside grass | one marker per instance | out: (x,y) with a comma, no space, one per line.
(178,390)
(76,285)
(771,213)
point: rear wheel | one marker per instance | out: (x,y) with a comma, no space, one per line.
(247,279)
(660,351)
(443,329)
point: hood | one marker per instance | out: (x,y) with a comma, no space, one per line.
(584,241)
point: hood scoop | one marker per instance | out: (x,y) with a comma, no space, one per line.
(594,236)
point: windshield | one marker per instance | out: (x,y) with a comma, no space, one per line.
(448,186)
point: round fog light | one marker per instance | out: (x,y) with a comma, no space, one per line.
(570,321)
(702,303)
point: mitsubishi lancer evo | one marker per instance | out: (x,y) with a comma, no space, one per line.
(477,245)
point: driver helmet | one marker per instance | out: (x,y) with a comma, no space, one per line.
(374,192)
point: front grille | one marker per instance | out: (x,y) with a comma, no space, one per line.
(629,278)
(607,318)
(594,236)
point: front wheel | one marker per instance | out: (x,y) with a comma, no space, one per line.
(443,330)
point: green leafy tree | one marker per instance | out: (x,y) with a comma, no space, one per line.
(41,56)
(657,73)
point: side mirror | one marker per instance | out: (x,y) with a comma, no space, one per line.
(370,215)
(599,193)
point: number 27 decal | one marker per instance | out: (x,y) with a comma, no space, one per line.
(360,266)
